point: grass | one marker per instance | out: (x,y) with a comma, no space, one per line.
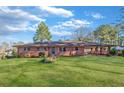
(66,71)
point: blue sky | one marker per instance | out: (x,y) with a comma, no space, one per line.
(19,23)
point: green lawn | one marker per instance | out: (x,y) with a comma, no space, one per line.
(66,71)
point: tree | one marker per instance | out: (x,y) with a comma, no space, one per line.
(82,34)
(89,38)
(42,33)
(14,49)
(20,42)
(120,26)
(105,33)
(5,45)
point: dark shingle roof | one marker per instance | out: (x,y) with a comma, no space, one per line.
(60,43)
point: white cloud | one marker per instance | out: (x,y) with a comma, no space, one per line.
(15,20)
(18,13)
(95,15)
(57,11)
(75,23)
(61,33)
(20,28)
(67,27)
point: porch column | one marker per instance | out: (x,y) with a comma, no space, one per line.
(82,48)
(96,50)
(109,49)
(48,51)
(18,51)
(91,50)
(101,50)
(72,51)
(58,52)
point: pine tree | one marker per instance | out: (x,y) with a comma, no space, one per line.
(42,33)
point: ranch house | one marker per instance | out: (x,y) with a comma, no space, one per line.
(62,49)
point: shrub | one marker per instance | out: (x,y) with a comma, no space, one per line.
(14,53)
(46,60)
(119,53)
(42,54)
(122,52)
(113,51)
(108,55)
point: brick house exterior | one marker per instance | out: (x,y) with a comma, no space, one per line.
(62,49)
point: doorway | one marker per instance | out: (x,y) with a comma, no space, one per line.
(53,51)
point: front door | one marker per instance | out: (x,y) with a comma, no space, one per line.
(53,51)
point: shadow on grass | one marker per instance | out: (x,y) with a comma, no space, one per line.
(119,64)
(45,61)
(95,69)
(101,70)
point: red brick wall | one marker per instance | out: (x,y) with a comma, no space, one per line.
(70,51)
(34,52)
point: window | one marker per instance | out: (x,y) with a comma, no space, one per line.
(26,49)
(45,49)
(76,48)
(96,49)
(38,48)
(62,49)
(41,49)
